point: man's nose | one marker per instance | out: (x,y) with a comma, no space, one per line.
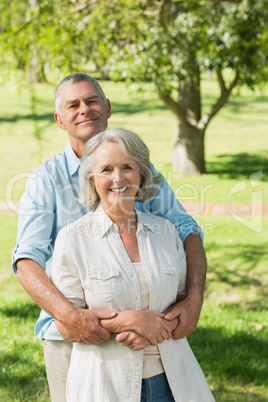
(84,107)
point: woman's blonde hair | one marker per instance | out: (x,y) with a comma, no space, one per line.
(133,147)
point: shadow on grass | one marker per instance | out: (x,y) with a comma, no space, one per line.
(239,165)
(136,107)
(237,360)
(20,375)
(13,119)
(239,271)
(25,311)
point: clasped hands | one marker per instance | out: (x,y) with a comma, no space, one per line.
(135,329)
(139,329)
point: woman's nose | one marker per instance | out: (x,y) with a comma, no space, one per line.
(117,176)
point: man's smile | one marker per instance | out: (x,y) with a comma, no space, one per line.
(86,121)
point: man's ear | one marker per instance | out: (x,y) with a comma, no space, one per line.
(59,121)
(109,109)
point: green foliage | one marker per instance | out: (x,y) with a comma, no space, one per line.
(164,41)
(167,42)
(139,40)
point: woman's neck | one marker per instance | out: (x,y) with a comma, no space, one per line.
(123,217)
(124,221)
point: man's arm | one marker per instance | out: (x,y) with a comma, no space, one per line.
(74,324)
(188,310)
(166,205)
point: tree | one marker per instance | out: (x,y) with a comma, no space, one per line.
(35,34)
(171,43)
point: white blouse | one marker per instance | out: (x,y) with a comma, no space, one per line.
(92,269)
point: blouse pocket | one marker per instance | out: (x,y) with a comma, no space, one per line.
(171,278)
(104,283)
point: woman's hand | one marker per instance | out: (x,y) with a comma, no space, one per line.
(137,342)
(148,324)
(133,340)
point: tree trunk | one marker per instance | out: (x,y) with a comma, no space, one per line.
(189,154)
(189,150)
(34,70)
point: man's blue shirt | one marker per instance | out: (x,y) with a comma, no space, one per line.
(50,203)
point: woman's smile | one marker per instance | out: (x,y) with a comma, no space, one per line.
(119,190)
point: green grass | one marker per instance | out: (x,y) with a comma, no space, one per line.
(236,140)
(231,340)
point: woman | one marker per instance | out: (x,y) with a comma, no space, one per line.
(118,259)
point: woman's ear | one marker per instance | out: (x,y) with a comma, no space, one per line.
(92,183)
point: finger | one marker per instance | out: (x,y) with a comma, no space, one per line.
(102,315)
(171,315)
(121,337)
(158,314)
(125,342)
(179,333)
(102,334)
(154,341)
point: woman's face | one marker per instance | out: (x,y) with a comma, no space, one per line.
(116,178)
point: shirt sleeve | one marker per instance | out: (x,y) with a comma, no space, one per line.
(166,205)
(65,269)
(36,220)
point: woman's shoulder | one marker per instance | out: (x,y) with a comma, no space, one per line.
(78,226)
(155,220)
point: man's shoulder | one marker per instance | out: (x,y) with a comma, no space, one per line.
(52,168)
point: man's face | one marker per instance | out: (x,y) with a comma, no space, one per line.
(84,113)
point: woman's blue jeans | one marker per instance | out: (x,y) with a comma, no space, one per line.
(156,389)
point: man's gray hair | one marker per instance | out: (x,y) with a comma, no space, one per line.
(71,79)
(133,147)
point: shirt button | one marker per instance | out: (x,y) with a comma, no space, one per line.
(154,297)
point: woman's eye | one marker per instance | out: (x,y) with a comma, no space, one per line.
(128,167)
(106,170)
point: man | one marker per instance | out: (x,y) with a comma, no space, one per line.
(49,203)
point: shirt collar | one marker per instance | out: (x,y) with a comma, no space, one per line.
(146,221)
(105,224)
(73,162)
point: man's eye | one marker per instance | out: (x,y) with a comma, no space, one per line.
(72,106)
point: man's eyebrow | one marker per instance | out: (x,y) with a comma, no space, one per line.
(70,101)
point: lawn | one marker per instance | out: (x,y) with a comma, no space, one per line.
(231,340)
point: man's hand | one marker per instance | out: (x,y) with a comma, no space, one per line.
(83,326)
(187,311)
